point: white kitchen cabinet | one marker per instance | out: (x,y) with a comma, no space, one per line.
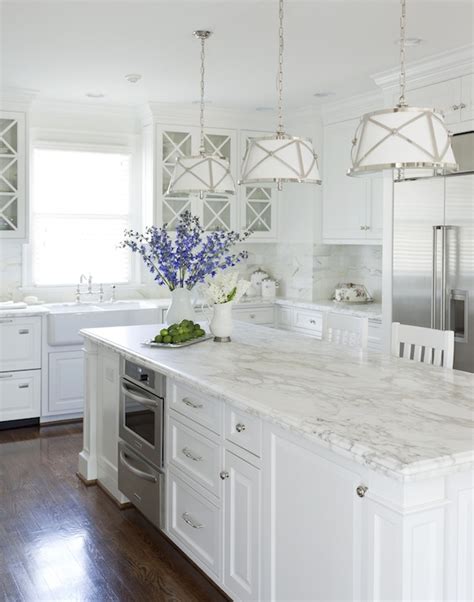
(12,175)
(20,343)
(255,315)
(258,202)
(216,211)
(242,527)
(375,335)
(352,207)
(466,106)
(312,523)
(66,382)
(20,395)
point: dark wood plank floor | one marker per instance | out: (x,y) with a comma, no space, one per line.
(61,540)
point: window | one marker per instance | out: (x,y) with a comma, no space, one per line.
(80,208)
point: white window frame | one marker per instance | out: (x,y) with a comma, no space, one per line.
(135,207)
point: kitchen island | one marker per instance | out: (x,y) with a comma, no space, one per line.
(310,471)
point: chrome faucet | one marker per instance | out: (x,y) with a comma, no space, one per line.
(90,290)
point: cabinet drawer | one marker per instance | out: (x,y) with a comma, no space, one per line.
(20,395)
(311,321)
(195,405)
(20,343)
(194,454)
(195,522)
(257,316)
(244,430)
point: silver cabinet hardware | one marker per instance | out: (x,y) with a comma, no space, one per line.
(462,105)
(312,321)
(365,227)
(6,375)
(362,490)
(192,404)
(252,316)
(362,227)
(455,107)
(6,321)
(24,331)
(191,523)
(240,427)
(24,386)
(224,475)
(136,471)
(189,454)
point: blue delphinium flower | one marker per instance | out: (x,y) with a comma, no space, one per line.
(193,255)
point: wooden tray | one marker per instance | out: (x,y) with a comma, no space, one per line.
(206,337)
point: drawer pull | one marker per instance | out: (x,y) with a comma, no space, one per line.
(24,386)
(224,475)
(189,454)
(312,321)
(191,523)
(6,321)
(362,490)
(192,404)
(24,331)
(6,375)
(252,316)
(136,471)
(240,427)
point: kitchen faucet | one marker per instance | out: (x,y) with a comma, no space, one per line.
(90,290)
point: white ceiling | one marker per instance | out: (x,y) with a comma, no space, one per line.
(65,48)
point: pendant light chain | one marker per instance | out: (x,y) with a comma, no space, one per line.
(201,118)
(280,130)
(402,102)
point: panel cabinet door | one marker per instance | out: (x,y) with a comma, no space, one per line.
(374,221)
(259,202)
(344,198)
(20,343)
(12,175)
(312,524)
(242,528)
(66,382)
(20,395)
(444,96)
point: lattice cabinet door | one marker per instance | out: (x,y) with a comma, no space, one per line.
(219,211)
(173,142)
(12,175)
(259,203)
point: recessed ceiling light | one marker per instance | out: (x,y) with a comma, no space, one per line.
(95,94)
(133,78)
(323,94)
(206,102)
(410,41)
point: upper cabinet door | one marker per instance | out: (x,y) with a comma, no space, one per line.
(12,175)
(258,202)
(467,98)
(344,198)
(374,219)
(445,96)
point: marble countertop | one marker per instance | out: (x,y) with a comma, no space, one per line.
(373,311)
(401,418)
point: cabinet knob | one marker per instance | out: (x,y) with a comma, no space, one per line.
(240,427)
(462,105)
(362,490)
(252,316)
(224,475)
(362,227)
(455,107)
(312,321)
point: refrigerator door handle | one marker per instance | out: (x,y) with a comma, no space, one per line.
(443,278)
(434,277)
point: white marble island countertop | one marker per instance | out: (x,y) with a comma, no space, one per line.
(404,419)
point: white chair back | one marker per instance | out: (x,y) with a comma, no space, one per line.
(425,345)
(346,330)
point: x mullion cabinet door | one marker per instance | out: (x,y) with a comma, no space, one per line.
(12,175)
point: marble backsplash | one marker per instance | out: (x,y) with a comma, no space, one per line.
(304,271)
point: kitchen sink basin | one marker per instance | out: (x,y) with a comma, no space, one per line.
(65,320)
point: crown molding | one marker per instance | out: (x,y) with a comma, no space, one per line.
(438,67)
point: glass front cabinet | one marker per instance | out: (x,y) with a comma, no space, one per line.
(12,175)
(252,207)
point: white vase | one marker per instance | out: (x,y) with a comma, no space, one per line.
(181,307)
(221,323)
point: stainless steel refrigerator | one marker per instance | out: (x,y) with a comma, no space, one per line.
(433,259)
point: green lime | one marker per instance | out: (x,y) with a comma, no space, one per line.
(164,332)
(177,339)
(158,338)
(167,339)
(200,332)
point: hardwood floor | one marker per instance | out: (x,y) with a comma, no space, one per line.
(61,540)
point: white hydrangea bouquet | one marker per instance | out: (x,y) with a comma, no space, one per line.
(222,291)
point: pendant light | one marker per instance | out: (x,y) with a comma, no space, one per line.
(402,137)
(202,173)
(280,158)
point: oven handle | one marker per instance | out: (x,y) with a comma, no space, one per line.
(146,401)
(136,471)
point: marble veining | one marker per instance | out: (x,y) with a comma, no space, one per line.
(401,418)
(372,311)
